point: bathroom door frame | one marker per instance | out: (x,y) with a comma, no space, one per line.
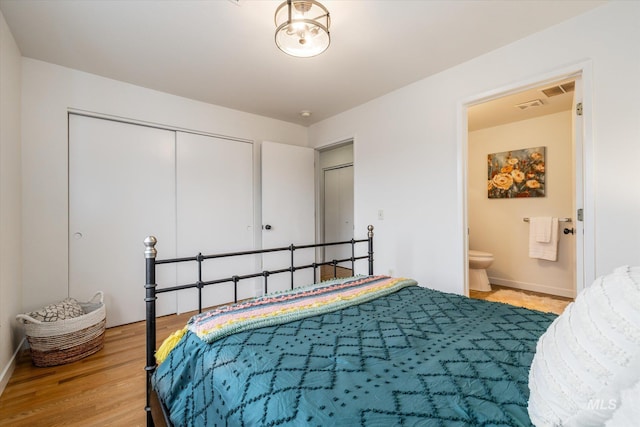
(584,160)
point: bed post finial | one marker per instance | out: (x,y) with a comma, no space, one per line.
(370,228)
(150,247)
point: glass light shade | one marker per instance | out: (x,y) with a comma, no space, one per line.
(302,28)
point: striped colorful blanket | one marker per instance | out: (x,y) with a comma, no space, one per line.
(278,308)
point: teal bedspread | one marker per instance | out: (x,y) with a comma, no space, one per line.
(414,357)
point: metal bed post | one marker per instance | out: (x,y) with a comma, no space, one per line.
(370,236)
(293,269)
(235,279)
(199,259)
(266,281)
(315,271)
(353,256)
(150,253)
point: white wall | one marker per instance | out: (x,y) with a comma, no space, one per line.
(10,204)
(48,92)
(496,225)
(407,155)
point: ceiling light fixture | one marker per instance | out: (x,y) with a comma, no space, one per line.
(302,28)
(305,114)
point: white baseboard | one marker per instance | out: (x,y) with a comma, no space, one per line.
(11,366)
(534,287)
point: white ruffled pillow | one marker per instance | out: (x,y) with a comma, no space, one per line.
(589,354)
(627,413)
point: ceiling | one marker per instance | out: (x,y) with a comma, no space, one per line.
(223,52)
(522,105)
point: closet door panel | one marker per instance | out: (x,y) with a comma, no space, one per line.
(338,211)
(214,214)
(121,189)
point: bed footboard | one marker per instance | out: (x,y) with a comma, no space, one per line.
(154,408)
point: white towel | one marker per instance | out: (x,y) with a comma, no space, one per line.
(541,228)
(543,250)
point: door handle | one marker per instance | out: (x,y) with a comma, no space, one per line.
(568,231)
(267,227)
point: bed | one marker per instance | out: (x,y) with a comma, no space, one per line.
(362,351)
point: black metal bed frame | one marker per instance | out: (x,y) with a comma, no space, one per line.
(154,408)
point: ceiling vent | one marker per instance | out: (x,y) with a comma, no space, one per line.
(559,89)
(530,104)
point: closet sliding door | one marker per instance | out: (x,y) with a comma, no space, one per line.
(121,189)
(214,178)
(193,192)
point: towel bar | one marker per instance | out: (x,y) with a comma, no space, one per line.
(559,219)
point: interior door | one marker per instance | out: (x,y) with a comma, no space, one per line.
(288,209)
(338,211)
(121,189)
(214,179)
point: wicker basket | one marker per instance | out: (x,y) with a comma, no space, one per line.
(68,340)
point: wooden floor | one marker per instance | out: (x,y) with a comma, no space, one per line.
(326,272)
(107,388)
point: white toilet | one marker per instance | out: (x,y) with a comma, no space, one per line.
(478,264)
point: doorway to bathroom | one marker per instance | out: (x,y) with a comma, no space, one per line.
(542,115)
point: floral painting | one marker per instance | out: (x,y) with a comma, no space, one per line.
(518,173)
